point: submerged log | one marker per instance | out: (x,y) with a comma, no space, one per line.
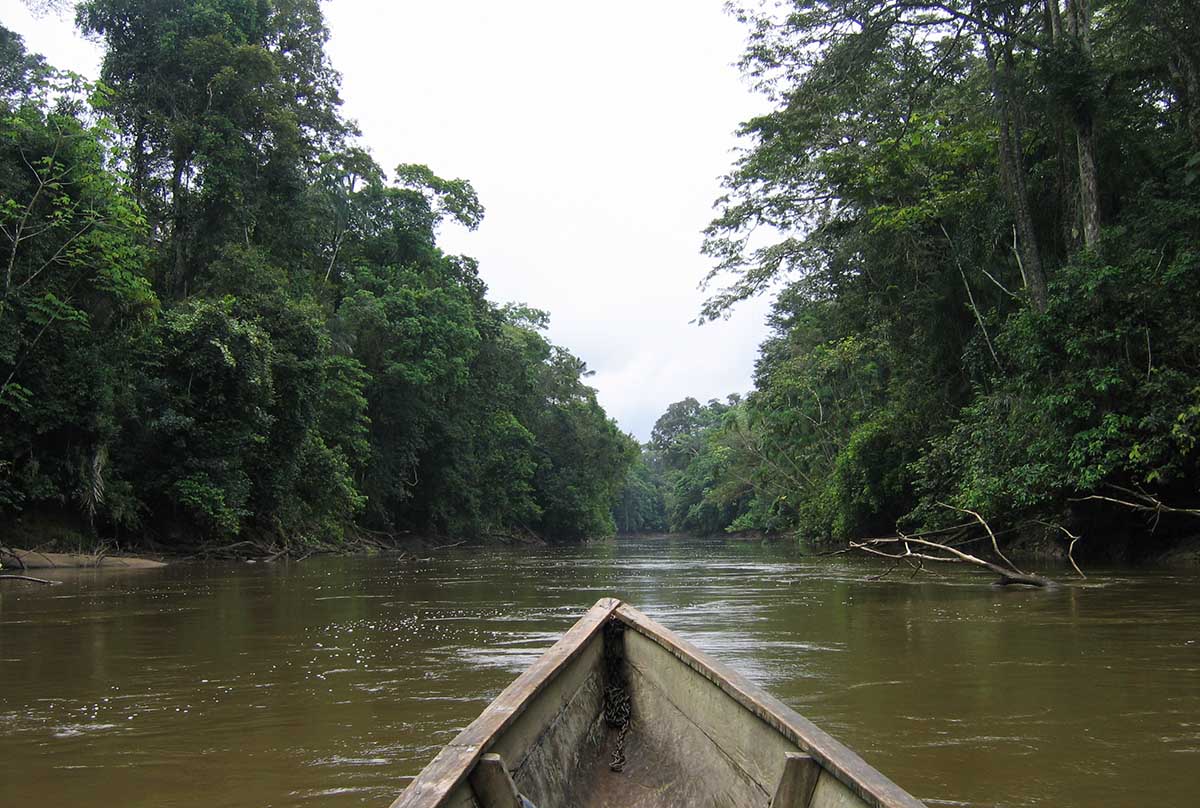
(28,578)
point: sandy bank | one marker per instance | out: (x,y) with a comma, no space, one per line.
(34,560)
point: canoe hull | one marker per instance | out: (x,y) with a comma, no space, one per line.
(700,735)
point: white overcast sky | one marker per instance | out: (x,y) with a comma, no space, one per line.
(595,135)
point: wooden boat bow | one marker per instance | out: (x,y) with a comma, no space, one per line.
(702,734)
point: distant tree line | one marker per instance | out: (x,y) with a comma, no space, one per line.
(981,224)
(221,318)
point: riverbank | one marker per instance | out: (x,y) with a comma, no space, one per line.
(1033,544)
(58,541)
(63,537)
(16,558)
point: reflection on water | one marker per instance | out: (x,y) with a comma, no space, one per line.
(333,681)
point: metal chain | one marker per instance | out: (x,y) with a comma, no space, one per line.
(618,714)
(618,709)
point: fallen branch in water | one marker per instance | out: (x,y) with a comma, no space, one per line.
(1008,576)
(1070,546)
(954,537)
(929,550)
(29,578)
(1141,501)
(916,565)
(448,546)
(991,535)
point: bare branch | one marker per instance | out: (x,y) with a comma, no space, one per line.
(900,548)
(885,573)
(1140,501)
(988,528)
(28,578)
(1070,547)
(971,300)
(980,23)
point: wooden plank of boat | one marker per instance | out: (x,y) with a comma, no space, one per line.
(697,733)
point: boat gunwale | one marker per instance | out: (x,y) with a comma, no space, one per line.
(450,767)
(839,760)
(454,762)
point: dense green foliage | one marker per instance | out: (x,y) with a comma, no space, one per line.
(222,319)
(981,221)
(641,505)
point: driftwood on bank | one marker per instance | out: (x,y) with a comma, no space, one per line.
(33,559)
(255,552)
(260,551)
(448,546)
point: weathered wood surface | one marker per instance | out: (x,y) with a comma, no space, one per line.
(525,729)
(447,772)
(833,793)
(702,772)
(34,560)
(839,760)
(492,784)
(659,776)
(702,735)
(797,783)
(556,734)
(731,751)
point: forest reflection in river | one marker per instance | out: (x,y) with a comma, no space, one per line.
(333,681)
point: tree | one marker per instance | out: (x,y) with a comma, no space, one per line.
(318,367)
(977,219)
(641,505)
(75,299)
(227,105)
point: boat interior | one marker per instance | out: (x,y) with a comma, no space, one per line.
(623,713)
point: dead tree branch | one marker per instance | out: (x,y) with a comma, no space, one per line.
(448,546)
(1142,502)
(29,578)
(7,553)
(988,528)
(1070,547)
(899,548)
(944,554)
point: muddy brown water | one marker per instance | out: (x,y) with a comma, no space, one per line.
(333,681)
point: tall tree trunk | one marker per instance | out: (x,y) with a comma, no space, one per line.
(1079,21)
(1054,14)
(1191,83)
(1185,56)
(1012,173)
(1089,184)
(1064,175)
(177,281)
(139,168)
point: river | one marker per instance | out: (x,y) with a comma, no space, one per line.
(331,682)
